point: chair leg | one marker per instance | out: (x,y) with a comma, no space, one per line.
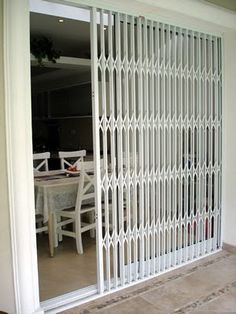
(39,224)
(91,220)
(55,235)
(78,236)
(59,235)
(51,233)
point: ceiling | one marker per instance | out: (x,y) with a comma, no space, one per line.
(226,4)
(71,38)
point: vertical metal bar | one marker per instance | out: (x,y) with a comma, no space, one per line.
(157,150)
(210,73)
(220,96)
(113,147)
(200,143)
(96,149)
(186,149)
(192,121)
(120,147)
(134,147)
(105,160)
(168,148)
(204,147)
(181,225)
(174,73)
(163,46)
(146,148)
(141,151)
(152,144)
(127,145)
(177,148)
(198,203)
(216,190)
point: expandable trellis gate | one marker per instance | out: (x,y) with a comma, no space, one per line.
(157,97)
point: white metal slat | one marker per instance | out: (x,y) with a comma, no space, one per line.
(192,153)
(146,148)
(169,226)
(134,151)
(120,147)
(163,146)
(174,209)
(210,147)
(216,144)
(179,145)
(219,140)
(96,145)
(141,150)
(152,144)
(198,205)
(105,159)
(113,149)
(205,146)
(186,196)
(181,149)
(157,149)
(127,148)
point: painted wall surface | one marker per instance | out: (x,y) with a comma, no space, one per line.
(229,145)
(6,278)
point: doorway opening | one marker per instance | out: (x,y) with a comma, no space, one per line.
(62,124)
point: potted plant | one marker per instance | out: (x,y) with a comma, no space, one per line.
(41,47)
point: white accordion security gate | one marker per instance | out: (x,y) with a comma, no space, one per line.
(157,98)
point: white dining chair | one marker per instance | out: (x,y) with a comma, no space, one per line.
(70,159)
(85,205)
(40,161)
(40,227)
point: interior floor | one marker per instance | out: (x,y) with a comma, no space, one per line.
(66,271)
(205,286)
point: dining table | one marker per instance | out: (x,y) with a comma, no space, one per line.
(54,190)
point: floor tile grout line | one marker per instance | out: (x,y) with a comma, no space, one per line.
(153,285)
(205,299)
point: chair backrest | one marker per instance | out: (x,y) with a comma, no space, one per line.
(70,159)
(86,189)
(40,161)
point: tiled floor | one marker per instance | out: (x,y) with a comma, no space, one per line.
(66,271)
(206,286)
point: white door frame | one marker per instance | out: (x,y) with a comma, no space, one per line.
(19,155)
(19,149)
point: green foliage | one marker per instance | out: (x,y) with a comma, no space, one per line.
(42,47)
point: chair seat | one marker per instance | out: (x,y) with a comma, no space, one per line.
(70,212)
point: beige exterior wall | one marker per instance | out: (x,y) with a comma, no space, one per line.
(6,282)
(229,140)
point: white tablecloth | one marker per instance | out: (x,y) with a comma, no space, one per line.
(52,195)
